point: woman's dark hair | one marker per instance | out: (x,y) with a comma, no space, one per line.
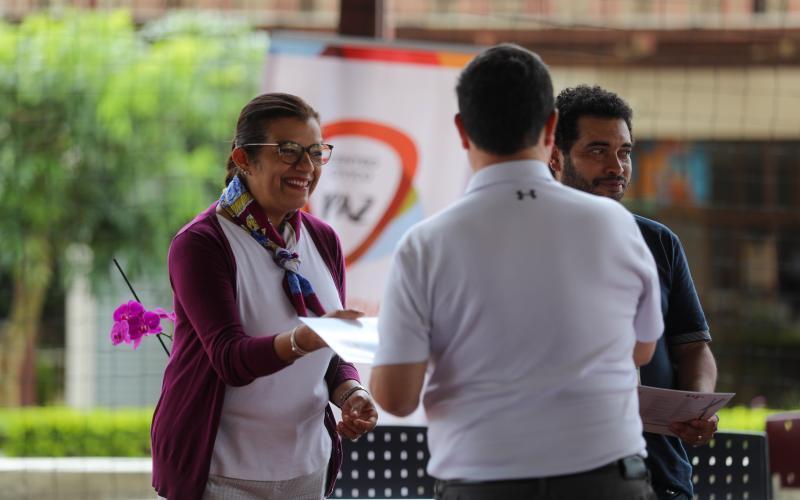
(255,118)
(505,97)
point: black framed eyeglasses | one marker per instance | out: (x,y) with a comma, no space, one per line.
(291,152)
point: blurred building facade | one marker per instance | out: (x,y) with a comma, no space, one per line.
(472,14)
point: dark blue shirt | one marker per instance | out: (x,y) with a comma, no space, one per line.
(684,322)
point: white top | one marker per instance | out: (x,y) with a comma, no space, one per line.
(526,297)
(273,428)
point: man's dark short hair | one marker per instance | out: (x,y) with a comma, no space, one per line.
(583,100)
(505,97)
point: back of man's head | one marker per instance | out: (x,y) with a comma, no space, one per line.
(584,100)
(505,96)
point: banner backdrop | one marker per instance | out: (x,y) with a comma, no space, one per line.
(397,158)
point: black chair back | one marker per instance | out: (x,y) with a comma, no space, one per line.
(732,466)
(388,462)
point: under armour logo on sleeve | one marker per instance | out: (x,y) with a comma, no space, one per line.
(521,194)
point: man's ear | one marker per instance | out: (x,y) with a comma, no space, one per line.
(556,163)
(550,129)
(461,131)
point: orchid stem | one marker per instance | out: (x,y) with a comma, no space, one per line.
(160,340)
(130,287)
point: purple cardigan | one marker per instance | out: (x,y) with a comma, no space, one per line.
(210,350)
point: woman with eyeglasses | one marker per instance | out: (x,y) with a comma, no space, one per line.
(244,410)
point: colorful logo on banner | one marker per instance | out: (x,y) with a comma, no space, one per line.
(368,182)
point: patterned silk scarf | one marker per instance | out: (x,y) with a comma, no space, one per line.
(237,202)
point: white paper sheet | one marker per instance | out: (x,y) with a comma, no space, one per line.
(354,340)
(660,407)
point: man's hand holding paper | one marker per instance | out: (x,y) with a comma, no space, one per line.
(691,416)
(695,432)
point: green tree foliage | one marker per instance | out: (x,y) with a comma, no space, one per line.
(109,138)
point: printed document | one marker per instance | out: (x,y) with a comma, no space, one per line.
(660,407)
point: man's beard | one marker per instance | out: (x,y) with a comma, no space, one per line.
(572,178)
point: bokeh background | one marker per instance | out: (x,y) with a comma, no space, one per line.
(116,119)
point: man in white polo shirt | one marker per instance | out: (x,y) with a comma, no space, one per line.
(530,303)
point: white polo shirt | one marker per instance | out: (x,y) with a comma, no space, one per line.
(526,297)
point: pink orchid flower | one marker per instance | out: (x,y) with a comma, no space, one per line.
(132,322)
(164,314)
(119,333)
(130,309)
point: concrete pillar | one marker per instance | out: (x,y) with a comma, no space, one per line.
(81,341)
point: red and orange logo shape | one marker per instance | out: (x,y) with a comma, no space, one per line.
(406,151)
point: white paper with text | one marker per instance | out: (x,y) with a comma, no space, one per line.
(661,407)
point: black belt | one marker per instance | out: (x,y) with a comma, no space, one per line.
(630,467)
